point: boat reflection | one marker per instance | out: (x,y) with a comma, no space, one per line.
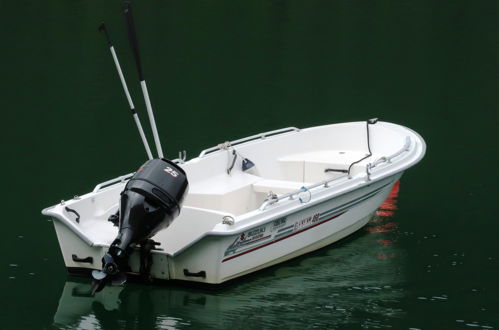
(356,281)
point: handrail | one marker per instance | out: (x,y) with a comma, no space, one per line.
(249,138)
(388,159)
(290,195)
(108,182)
(325,183)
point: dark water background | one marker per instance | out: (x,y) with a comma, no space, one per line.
(220,70)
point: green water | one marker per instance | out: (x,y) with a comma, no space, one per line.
(220,70)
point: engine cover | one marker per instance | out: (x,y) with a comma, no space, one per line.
(153,197)
(150,201)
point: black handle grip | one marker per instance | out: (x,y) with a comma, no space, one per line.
(73,211)
(234,154)
(335,170)
(198,274)
(102,28)
(88,260)
(132,37)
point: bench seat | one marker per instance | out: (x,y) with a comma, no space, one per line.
(277,186)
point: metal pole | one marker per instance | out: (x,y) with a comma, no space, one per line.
(102,28)
(132,37)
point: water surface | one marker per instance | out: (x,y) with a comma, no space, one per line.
(220,70)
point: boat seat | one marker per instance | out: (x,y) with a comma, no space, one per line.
(228,193)
(223,184)
(311,166)
(277,186)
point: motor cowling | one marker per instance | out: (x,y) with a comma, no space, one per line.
(151,200)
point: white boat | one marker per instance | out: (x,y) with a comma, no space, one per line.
(239,207)
(306,190)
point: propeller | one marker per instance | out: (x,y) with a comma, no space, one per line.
(99,275)
(109,274)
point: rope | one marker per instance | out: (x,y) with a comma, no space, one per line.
(224,146)
(305,189)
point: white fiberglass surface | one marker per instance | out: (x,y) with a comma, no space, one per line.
(285,163)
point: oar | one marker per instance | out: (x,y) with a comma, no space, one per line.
(102,28)
(132,37)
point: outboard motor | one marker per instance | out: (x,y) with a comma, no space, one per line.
(150,201)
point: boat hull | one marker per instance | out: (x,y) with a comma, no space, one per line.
(222,258)
(309,188)
(219,258)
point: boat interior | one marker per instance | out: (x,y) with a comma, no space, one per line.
(282,163)
(240,192)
